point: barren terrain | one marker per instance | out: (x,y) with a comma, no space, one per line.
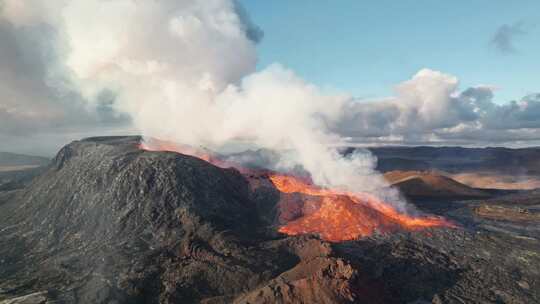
(107,222)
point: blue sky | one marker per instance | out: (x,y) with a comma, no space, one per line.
(366,47)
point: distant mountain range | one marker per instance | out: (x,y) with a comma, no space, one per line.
(458,159)
(12,160)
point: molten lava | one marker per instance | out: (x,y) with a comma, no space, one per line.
(332,214)
(347,216)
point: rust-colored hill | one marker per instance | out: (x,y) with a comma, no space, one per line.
(430,184)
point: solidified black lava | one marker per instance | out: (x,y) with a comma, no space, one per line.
(109,223)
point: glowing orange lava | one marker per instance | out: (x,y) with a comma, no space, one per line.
(332,214)
(347,216)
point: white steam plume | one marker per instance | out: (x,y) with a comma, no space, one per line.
(185,72)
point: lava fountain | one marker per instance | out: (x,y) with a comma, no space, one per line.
(332,214)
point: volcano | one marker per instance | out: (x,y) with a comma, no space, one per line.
(332,214)
(108,222)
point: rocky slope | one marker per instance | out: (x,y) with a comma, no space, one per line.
(110,223)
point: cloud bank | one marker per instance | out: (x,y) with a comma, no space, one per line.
(429,108)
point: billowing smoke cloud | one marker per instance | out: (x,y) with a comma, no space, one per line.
(38,98)
(429,108)
(185,72)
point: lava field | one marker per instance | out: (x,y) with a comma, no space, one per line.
(109,222)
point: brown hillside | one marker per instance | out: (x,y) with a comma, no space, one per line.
(430,184)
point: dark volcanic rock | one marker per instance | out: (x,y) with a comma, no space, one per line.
(109,223)
(446,266)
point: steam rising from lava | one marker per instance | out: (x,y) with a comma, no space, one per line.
(333,214)
(342,216)
(185,72)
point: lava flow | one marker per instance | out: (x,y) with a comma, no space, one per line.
(332,214)
(346,216)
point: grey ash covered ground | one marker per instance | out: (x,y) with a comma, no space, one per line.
(108,223)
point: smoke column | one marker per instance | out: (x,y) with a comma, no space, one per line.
(185,72)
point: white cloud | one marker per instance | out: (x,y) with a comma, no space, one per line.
(430,108)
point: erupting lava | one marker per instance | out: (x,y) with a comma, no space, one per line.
(346,216)
(332,214)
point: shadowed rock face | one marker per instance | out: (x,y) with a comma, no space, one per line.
(109,223)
